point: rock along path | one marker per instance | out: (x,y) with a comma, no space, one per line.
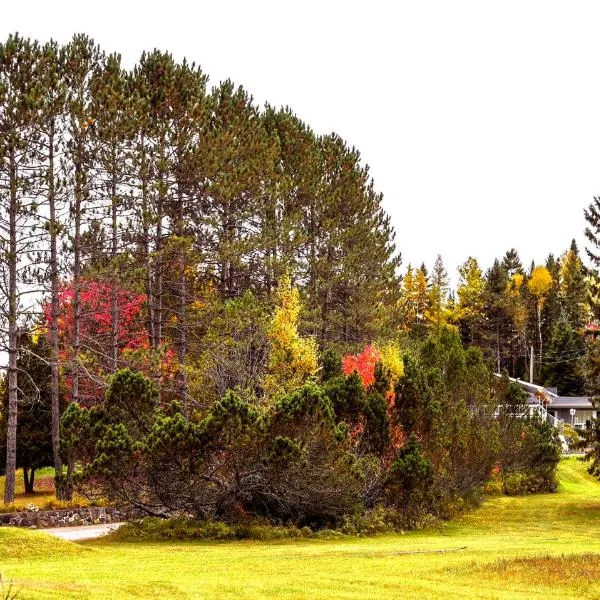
(84,532)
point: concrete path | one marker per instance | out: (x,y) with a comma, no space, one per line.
(84,532)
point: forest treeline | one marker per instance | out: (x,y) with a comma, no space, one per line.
(226,253)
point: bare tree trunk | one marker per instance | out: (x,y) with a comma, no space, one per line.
(498,361)
(225,250)
(11,432)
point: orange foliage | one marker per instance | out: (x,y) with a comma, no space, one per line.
(363,363)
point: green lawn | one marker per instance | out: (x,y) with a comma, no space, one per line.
(545,546)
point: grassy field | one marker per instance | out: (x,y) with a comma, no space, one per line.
(544,546)
(43,488)
(43,494)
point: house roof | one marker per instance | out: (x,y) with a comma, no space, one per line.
(555,401)
(581,402)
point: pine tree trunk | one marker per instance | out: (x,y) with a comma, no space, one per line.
(181,313)
(498,349)
(28,480)
(114,307)
(146,245)
(313,267)
(54,309)
(11,432)
(76,344)
(158,266)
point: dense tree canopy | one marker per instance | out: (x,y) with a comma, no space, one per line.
(219,302)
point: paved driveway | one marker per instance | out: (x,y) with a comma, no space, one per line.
(84,532)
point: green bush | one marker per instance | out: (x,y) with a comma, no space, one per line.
(519,484)
(183,528)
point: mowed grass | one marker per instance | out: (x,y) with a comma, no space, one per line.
(543,546)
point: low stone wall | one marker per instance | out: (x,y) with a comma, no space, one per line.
(61,518)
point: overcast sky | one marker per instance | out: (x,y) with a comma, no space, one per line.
(480,120)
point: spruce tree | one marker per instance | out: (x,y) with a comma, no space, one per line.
(573,292)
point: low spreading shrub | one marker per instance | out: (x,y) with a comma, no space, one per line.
(184,528)
(519,484)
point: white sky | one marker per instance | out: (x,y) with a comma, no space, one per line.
(480,120)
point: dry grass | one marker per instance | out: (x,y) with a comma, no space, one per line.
(43,494)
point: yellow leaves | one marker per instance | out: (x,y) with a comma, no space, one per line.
(539,283)
(292,359)
(37,333)
(415,294)
(197,305)
(391,360)
(516,283)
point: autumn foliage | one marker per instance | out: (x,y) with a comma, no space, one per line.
(95,325)
(363,363)
(292,359)
(96,316)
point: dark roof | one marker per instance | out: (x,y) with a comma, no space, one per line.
(582,402)
(556,401)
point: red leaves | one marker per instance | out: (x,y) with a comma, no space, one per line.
(95,331)
(96,315)
(363,363)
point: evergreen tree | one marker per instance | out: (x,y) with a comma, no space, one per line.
(238,158)
(53,218)
(497,312)
(552,309)
(511,263)
(110,107)
(592,231)
(20,101)
(438,294)
(573,292)
(561,366)
(471,301)
(79,59)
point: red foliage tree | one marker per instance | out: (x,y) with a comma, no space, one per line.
(363,363)
(95,332)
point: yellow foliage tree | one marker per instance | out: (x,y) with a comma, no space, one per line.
(539,285)
(292,359)
(392,361)
(415,295)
